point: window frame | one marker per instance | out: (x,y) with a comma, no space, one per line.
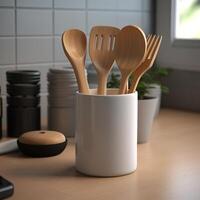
(176,42)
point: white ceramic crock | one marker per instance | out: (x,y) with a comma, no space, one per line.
(106,133)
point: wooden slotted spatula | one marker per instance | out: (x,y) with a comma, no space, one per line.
(153,45)
(102,53)
(130,52)
(74,45)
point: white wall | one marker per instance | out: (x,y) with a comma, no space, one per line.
(30,30)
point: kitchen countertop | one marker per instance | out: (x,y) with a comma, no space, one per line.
(168,168)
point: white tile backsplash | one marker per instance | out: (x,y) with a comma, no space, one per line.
(7,50)
(130,5)
(58,50)
(134,5)
(146,23)
(7,22)
(35,3)
(129,18)
(101,18)
(30,30)
(34,50)
(34,22)
(70,4)
(7,3)
(103,4)
(65,19)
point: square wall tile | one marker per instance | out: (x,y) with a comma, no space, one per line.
(59,53)
(34,50)
(147,22)
(115,4)
(101,18)
(35,3)
(3,80)
(129,5)
(7,51)
(7,3)
(43,68)
(70,4)
(129,18)
(34,22)
(69,19)
(103,4)
(7,22)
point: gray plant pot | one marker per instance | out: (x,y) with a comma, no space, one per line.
(146,113)
(155,91)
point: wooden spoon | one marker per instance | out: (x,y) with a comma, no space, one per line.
(74,45)
(130,49)
(102,53)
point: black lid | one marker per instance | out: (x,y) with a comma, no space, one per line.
(23,76)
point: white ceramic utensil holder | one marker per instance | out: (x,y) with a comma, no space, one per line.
(106,133)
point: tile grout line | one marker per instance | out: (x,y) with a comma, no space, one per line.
(16,45)
(53,32)
(86,17)
(80,9)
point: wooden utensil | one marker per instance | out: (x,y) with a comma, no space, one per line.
(74,45)
(153,45)
(102,53)
(130,51)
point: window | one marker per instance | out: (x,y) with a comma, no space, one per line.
(187,19)
(177,51)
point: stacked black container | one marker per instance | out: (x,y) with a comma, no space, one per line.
(23,110)
(1,111)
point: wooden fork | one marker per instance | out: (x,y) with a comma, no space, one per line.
(153,45)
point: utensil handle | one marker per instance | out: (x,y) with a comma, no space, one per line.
(80,76)
(123,84)
(138,73)
(82,82)
(102,83)
(134,83)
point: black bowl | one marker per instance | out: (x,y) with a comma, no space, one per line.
(33,150)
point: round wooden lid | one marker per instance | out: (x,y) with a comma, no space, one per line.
(42,137)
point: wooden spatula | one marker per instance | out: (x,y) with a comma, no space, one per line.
(153,45)
(74,45)
(130,52)
(102,53)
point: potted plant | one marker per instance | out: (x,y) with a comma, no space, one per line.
(147,104)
